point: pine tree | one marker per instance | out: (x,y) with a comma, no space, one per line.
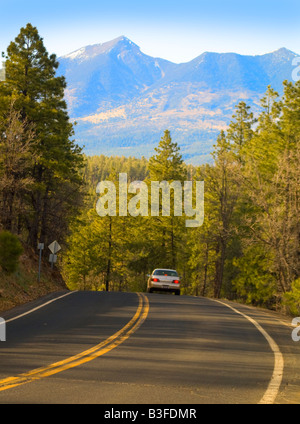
(269,181)
(167,165)
(38,95)
(222,185)
(16,160)
(240,129)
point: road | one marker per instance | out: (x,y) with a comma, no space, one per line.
(129,348)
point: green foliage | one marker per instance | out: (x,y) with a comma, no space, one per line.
(167,164)
(248,246)
(292,298)
(254,283)
(240,129)
(167,232)
(52,161)
(10,251)
(118,252)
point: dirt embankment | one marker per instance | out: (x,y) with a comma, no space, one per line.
(22,286)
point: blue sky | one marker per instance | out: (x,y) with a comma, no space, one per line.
(174,30)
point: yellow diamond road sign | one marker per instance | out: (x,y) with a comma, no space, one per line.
(54,247)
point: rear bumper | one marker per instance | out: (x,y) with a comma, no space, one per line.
(164,286)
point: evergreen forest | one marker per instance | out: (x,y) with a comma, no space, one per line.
(248,248)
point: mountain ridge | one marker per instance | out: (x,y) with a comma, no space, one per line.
(115,41)
(99,48)
(123,99)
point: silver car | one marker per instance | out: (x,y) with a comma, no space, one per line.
(164,280)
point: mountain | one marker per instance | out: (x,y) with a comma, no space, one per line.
(123,99)
(108,74)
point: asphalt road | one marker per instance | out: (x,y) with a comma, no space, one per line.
(128,348)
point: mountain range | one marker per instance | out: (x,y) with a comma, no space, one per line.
(123,99)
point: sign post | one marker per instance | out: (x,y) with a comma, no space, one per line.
(54,248)
(40,247)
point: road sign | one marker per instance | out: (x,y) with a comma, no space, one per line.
(52,258)
(54,247)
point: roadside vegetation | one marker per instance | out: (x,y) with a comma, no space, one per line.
(248,248)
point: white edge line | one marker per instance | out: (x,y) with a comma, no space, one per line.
(35,309)
(275,382)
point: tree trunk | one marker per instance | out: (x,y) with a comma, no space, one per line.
(109,256)
(220,262)
(205,272)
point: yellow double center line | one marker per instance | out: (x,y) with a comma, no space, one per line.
(86,356)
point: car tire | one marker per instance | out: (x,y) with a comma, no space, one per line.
(177,292)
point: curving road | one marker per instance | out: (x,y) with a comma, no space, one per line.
(128,348)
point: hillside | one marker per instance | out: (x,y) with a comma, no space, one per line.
(22,286)
(123,100)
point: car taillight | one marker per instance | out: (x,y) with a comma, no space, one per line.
(176,281)
(155,280)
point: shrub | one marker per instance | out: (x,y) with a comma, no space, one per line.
(10,251)
(292,298)
(255,283)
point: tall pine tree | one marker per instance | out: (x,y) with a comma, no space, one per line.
(167,165)
(38,94)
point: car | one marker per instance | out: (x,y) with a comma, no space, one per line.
(163,279)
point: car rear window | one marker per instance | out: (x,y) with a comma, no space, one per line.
(166,272)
